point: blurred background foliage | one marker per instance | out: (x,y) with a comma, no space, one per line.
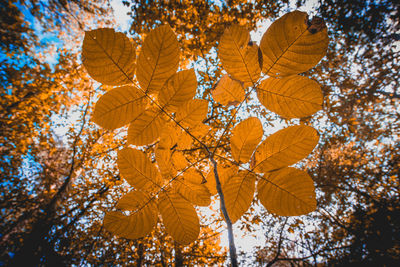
(58,172)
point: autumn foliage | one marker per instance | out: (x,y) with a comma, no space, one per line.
(160,105)
(199,131)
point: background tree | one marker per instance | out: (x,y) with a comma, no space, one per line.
(359,78)
(354,167)
(49,185)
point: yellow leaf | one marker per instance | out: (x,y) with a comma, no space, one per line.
(163,153)
(228,92)
(285,148)
(238,193)
(158,60)
(140,222)
(200,130)
(245,138)
(146,128)
(192,113)
(179,217)
(239,58)
(169,136)
(164,162)
(287,192)
(289,47)
(291,97)
(180,88)
(185,141)
(197,194)
(137,169)
(193,176)
(224,174)
(119,106)
(179,161)
(108,56)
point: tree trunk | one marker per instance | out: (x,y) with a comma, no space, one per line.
(178,255)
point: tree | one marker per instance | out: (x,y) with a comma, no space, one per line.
(359,78)
(49,186)
(160,96)
(353,169)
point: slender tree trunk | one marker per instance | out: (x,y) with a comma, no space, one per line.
(232,247)
(178,255)
(140,252)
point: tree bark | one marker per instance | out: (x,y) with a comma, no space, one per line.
(232,247)
(178,255)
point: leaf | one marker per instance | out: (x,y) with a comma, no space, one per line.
(245,138)
(228,92)
(140,222)
(291,97)
(179,217)
(108,56)
(287,192)
(186,141)
(238,58)
(239,192)
(119,106)
(164,162)
(146,128)
(224,174)
(179,161)
(163,152)
(197,194)
(193,176)
(158,60)
(192,113)
(289,47)
(169,136)
(285,148)
(137,169)
(180,88)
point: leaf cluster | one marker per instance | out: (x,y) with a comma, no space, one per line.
(158,104)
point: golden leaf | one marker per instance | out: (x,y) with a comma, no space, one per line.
(245,138)
(119,107)
(224,174)
(192,113)
(137,169)
(193,176)
(140,222)
(158,60)
(108,56)
(179,217)
(169,136)
(239,58)
(180,88)
(146,128)
(185,141)
(164,162)
(239,192)
(197,194)
(291,97)
(179,161)
(163,153)
(228,91)
(289,47)
(287,192)
(285,148)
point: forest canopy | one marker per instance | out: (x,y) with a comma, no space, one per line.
(206,139)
